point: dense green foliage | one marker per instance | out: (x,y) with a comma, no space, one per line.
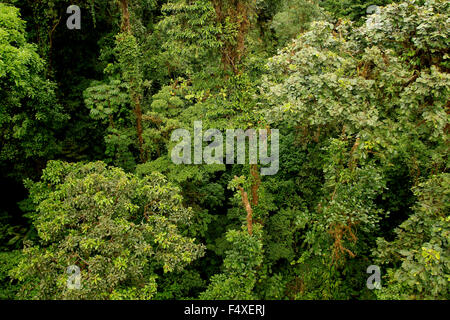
(361,102)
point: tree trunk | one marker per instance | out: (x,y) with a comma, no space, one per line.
(135,96)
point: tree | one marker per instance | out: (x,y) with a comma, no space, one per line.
(418,259)
(373,101)
(294,18)
(360,101)
(120,230)
(239,276)
(30,115)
